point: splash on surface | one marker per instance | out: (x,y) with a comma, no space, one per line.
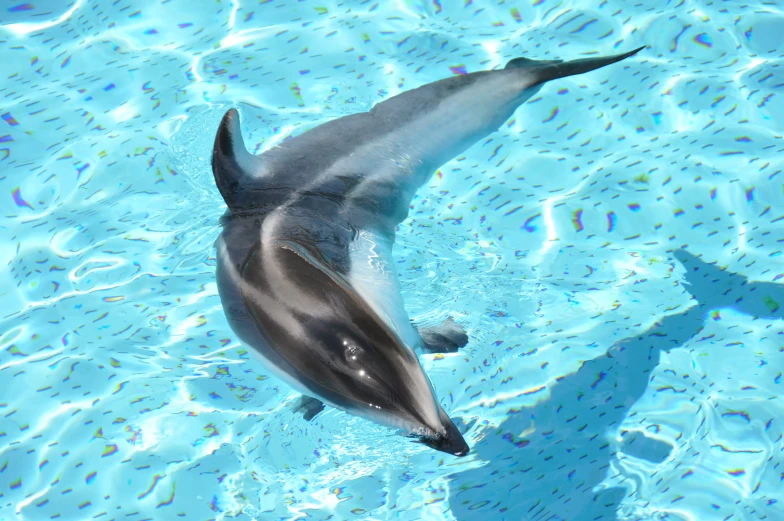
(614,252)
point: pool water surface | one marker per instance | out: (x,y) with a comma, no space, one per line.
(613,252)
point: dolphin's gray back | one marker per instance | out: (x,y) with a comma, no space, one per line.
(366,167)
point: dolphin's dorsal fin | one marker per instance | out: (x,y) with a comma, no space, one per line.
(546,70)
(235,169)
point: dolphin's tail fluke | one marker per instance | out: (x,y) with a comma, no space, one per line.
(546,70)
(235,169)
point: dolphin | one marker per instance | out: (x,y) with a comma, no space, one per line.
(304,261)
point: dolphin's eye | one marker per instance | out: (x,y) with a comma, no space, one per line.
(353,354)
(355,359)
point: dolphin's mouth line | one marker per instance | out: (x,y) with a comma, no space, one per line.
(441,442)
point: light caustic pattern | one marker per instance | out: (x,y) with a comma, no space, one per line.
(613,251)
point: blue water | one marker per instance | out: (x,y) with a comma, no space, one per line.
(614,253)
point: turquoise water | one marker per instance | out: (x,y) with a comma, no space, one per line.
(613,253)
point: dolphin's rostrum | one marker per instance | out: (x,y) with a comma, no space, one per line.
(304,261)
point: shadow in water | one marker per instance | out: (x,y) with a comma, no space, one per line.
(550,474)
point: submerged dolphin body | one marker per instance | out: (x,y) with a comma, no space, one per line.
(305,270)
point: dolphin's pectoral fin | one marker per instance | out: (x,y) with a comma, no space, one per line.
(308,406)
(446,337)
